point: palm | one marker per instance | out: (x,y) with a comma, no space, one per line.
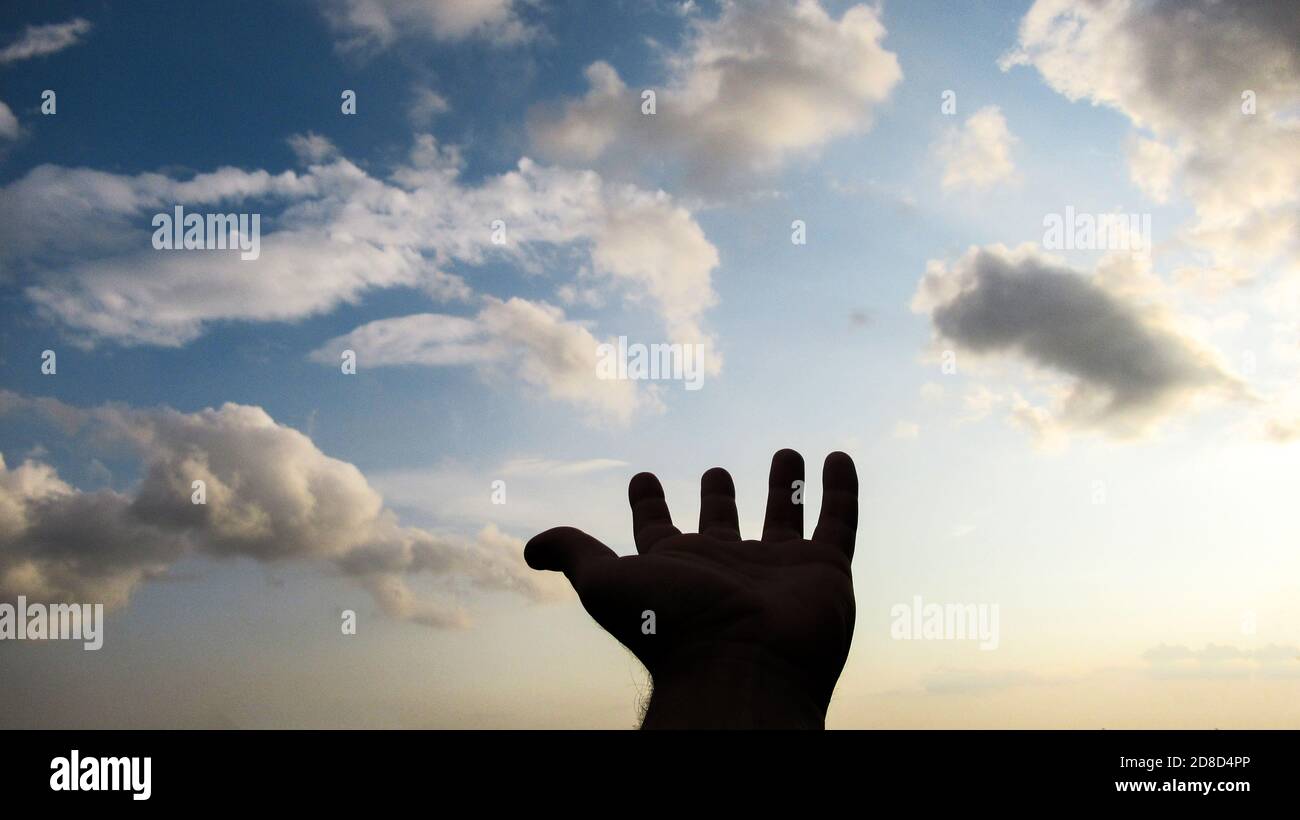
(784,598)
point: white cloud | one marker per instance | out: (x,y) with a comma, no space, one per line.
(533,466)
(312,149)
(378,23)
(272,496)
(978,154)
(1152,165)
(80,238)
(1131,362)
(38,41)
(746,91)
(1178,71)
(656,246)
(55,216)
(527,341)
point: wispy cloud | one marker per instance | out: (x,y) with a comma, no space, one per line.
(379,23)
(1223,661)
(526,341)
(39,41)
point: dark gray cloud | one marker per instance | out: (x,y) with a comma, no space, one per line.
(1130,364)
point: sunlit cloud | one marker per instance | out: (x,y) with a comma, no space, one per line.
(76,237)
(978,155)
(265,492)
(746,92)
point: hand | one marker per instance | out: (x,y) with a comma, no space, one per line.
(745,633)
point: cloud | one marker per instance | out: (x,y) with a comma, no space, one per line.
(312,149)
(1223,661)
(657,247)
(746,91)
(8,123)
(1152,165)
(978,155)
(38,41)
(980,681)
(80,239)
(1282,430)
(1178,71)
(522,340)
(590,493)
(378,23)
(1130,362)
(425,105)
(979,401)
(532,466)
(271,496)
(54,217)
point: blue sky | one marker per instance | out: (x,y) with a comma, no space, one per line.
(978,486)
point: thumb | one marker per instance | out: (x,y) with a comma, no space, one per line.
(564,549)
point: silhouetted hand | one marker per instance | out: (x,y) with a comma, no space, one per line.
(745,633)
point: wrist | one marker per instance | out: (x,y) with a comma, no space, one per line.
(733,687)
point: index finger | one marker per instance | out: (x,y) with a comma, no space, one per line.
(651,522)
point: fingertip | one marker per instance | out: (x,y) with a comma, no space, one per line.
(539,552)
(787,457)
(783,520)
(786,462)
(717,481)
(840,472)
(651,521)
(644,485)
(561,549)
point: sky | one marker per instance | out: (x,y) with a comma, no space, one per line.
(848,206)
